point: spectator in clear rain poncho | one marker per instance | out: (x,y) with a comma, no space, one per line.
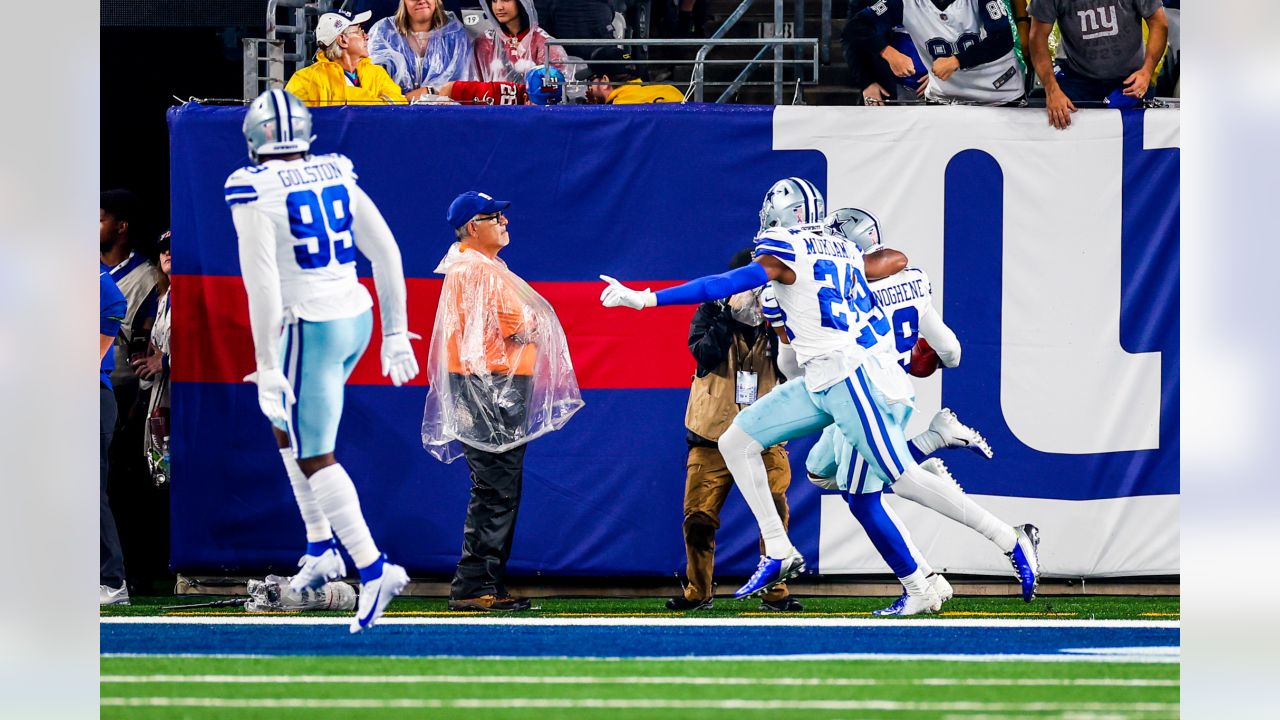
(423,47)
(500,376)
(515,30)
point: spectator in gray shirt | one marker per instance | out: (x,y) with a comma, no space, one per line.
(1105,57)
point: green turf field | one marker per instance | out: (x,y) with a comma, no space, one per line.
(203,688)
(580,689)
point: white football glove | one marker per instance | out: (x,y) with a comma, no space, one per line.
(398,360)
(769,306)
(275,395)
(618,294)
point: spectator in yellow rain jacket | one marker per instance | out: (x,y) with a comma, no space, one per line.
(614,83)
(342,73)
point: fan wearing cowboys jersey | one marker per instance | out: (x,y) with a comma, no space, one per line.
(968,45)
(834,328)
(299,219)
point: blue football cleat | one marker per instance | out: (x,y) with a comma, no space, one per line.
(895,608)
(770,572)
(1026,559)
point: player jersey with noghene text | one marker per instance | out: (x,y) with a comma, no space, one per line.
(904,297)
(829,306)
(310,203)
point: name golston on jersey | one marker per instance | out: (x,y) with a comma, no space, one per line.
(829,308)
(904,297)
(310,203)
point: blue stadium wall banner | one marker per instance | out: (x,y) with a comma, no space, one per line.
(1053,255)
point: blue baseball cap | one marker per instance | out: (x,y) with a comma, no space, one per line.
(470,204)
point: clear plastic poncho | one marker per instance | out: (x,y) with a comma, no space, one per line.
(449,54)
(502,57)
(499,363)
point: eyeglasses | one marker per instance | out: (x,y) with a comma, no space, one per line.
(496,218)
(357,31)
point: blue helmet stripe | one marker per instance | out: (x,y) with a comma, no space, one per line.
(288,115)
(811,201)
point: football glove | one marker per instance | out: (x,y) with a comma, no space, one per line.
(770,308)
(618,294)
(398,360)
(275,395)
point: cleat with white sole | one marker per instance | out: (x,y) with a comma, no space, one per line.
(908,604)
(942,587)
(316,570)
(376,594)
(956,434)
(770,572)
(1025,559)
(107,596)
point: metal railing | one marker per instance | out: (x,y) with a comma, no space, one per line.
(698,81)
(289,44)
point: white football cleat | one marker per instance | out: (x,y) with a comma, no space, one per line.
(375,595)
(908,604)
(107,596)
(937,468)
(942,587)
(956,434)
(316,570)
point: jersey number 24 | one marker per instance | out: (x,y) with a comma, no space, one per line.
(322,222)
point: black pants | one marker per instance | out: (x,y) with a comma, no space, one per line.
(496,483)
(112,559)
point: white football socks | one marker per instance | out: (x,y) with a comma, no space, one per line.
(318,529)
(921,486)
(916,583)
(336,495)
(928,442)
(742,456)
(906,537)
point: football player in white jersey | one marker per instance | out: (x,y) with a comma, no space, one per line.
(833,325)
(968,45)
(905,297)
(300,219)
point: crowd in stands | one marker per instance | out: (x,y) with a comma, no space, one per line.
(988,52)
(134,272)
(502,55)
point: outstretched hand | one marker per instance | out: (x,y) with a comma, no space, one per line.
(618,294)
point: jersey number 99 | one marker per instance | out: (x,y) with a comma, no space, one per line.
(321,222)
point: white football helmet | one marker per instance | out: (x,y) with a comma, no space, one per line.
(857,226)
(277,123)
(790,202)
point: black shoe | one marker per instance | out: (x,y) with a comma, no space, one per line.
(679,602)
(786,604)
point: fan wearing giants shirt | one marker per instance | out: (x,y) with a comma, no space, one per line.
(968,44)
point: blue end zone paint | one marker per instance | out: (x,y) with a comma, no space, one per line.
(532,640)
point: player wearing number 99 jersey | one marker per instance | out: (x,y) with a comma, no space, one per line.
(299,219)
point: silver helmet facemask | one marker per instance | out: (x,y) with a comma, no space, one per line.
(277,123)
(790,202)
(857,226)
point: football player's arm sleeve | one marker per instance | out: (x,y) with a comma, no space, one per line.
(256,241)
(714,287)
(998,40)
(374,239)
(868,30)
(940,337)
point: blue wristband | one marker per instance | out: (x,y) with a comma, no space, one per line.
(714,287)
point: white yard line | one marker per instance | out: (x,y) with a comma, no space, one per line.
(1169,655)
(634,704)
(601,680)
(644,622)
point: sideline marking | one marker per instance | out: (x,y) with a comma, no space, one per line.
(648,622)
(619,680)
(1172,657)
(644,704)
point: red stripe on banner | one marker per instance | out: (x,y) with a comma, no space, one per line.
(611,348)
